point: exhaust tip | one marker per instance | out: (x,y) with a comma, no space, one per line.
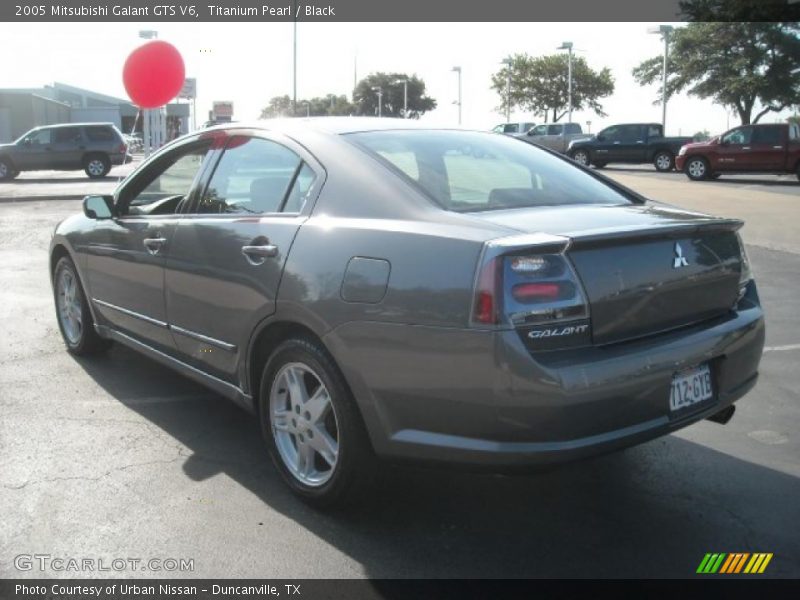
(723,416)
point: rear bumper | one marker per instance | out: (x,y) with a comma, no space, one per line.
(481,399)
(120,159)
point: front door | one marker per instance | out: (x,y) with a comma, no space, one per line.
(734,151)
(34,151)
(227,259)
(127,253)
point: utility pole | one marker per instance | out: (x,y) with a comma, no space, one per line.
(507,63)
(405,95)
(294,62)
(664,31)
(458,70)
(379,91)
(568,46)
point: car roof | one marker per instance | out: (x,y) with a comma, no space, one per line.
(335,125)
(59,125)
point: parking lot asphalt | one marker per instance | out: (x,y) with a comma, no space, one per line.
(120,457)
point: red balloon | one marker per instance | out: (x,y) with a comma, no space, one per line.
(153,74)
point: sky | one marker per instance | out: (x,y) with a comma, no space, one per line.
(248,63)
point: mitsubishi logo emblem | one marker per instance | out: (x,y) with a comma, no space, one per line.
(680,259)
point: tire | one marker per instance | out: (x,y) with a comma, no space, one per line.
(599,164)
(320,448)
(715,175)
(7,171)
(664,161)
(72,312)
(581,157)
(96,166)
(696,168)
(797,171)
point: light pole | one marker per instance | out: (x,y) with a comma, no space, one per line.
(147,114)
(568,46)
(405,95)
(308,108)
(294,62)
(507,63)
(663,31)
(458,70)
(379,91)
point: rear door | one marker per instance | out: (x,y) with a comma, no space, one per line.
(768,147)
(67,147)
(227,258)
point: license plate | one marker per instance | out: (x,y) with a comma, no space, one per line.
(690,387)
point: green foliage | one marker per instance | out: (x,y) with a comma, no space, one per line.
(702,136)
(365,97)
(737,65)
(281,106)
(540,85)
(740,10)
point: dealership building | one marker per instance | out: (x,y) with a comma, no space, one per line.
(25,108)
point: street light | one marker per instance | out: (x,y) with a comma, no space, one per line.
(568,46)
(663,31)
(507,63)
(147,114)
(379,91)
(308,108)
(405,95)
(458,70)
(332,97)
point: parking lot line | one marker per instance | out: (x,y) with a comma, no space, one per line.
(782,348)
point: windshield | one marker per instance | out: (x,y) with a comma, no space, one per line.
(470,171)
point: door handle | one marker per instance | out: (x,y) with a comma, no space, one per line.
(154,245)
(745,147)
(778,147)
(256,255)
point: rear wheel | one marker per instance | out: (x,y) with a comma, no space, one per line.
(72,312)
(581,157)
(599,164)
(697,168)
(664,161)
(7,170)
(96,166)
(312,427)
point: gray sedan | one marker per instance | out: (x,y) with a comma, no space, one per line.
(371,289)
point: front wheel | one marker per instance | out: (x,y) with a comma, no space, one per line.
(599,164)
(664,161)
(312,427)
(72,312)
(696,168)
(581,157)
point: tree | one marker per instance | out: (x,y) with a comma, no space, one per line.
(330,104)
(701,136)
(279,106)
(738,65)
(366,98)
(740,10)
(540,85)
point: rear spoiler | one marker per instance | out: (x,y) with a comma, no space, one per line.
(672,231)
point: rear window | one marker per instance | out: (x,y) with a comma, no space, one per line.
(100,134)
(470,171)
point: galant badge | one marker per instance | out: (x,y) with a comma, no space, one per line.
(680,259)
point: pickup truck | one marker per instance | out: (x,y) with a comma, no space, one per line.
(629,143)
(556,136)
(772,148)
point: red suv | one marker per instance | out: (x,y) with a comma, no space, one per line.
(773,148)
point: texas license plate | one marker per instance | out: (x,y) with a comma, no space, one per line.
(690,387)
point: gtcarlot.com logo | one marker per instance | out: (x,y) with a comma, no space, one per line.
(734,563)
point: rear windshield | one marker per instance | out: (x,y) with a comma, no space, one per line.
(467,171)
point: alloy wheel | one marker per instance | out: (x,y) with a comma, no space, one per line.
(581,157)
(696,169)
(95,167)
(663,162)
(304,424)
(70,310)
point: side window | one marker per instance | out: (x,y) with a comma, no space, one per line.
(554,129)
(40,137)
(66,135)
(540,130)
(510,128)
(610,134)
(573,128)
(653,131)
(630,133)
(301,190)
(738,136)
(165,184)
(528,126)
(253,176)
(100,134)
(768,135)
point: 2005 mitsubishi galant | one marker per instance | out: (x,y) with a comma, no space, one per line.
(373,289)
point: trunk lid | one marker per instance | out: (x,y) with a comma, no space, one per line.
(645,269)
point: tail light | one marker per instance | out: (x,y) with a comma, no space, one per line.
(746,273)
(527,283)
(122,149)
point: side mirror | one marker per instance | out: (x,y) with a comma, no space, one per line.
(601,137)
(26,141)
(98,207)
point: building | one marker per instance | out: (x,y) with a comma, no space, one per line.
(25,108)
